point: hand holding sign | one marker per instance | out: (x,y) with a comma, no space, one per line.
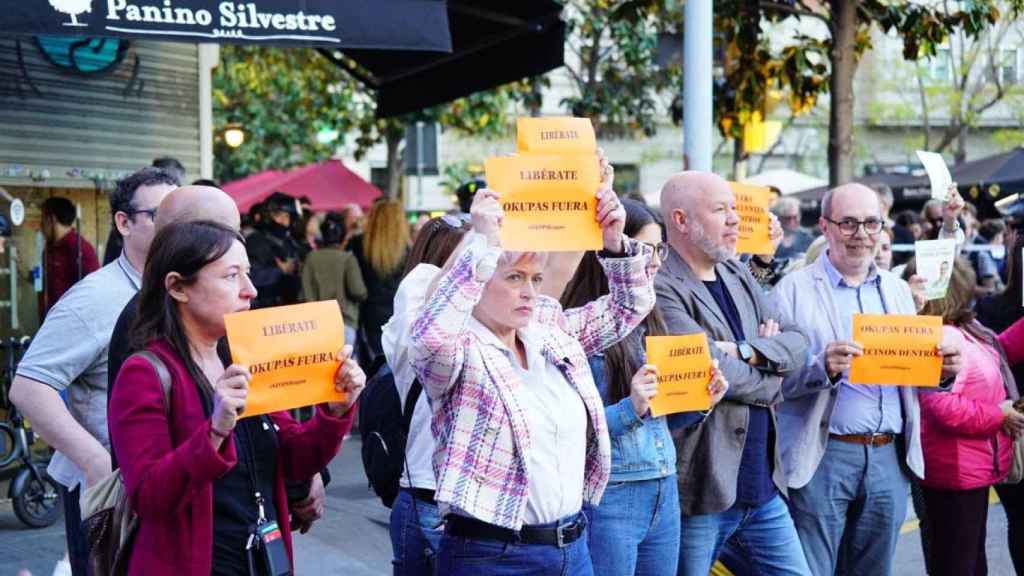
(612,218)
(643,388)
(230,393)
(486,215)
(684,373)
(349,380)
(839,355)
(950,353)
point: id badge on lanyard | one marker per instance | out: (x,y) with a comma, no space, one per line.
(265,544)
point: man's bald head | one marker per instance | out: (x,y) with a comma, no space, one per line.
(699,209)
(190,203)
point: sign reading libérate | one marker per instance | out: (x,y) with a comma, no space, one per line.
(549,202)
(684,372)
(291,352)
(899,349)
(555,135)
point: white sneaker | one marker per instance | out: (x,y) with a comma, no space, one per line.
(63,568)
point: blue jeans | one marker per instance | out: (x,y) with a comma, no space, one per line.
(635,529)
(415,535)
(478,557)
(765,534)
(849,515)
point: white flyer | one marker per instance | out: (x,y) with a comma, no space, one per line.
(934,260)
(938,173)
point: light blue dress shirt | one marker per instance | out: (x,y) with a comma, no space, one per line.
(861,409)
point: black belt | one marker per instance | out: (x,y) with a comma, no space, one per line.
(560,536)
(422,494)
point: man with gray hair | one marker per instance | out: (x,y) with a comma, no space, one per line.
(844,446)
(795,239)
(728,478)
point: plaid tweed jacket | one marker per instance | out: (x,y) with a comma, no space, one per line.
(479,427)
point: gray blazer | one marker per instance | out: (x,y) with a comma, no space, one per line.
(805,297)
(708,455)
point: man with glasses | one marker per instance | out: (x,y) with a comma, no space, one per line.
(69,353)
(844,446)
(795,239)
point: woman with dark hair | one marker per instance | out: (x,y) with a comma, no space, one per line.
(635,529)
(333,273)
(415,519)
(966,436)
(204,481)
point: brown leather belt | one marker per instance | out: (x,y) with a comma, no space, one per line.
(873,440)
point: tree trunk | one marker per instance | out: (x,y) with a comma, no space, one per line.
(396,163)
(844,66)
(739,161)
(960,156)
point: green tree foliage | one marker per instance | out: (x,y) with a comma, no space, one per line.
(283,98)
(611,57)
(922,26)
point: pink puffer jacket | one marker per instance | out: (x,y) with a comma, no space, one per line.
(964,444)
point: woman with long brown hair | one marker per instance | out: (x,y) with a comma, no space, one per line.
(635,530)
(381,251)
(204,481)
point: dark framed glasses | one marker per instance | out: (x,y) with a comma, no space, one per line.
(850,226)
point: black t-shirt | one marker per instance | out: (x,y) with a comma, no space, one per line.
(234,504)
(754,484)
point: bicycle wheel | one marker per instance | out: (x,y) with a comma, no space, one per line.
(37,504)
(7,445)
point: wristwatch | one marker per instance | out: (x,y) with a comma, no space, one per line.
(745,351)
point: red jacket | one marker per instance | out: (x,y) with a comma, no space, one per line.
(169,467)
(965,446)
(62,266)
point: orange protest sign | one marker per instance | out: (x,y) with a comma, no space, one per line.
(752,205)
(549,202)
(292,353)
(684,372)
(899,350)
(555,135)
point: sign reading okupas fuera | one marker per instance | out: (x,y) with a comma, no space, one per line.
(291,352)
(548,191)
(899,350)
(397,24)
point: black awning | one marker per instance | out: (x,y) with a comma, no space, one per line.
(493,42)
(406,25)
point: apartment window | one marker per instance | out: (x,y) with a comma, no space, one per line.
(379,177)
(1008,66)
(940,68)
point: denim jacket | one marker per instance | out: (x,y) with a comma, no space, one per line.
(642,448)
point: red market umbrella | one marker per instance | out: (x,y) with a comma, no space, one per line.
(329,185)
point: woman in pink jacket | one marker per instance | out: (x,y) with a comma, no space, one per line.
(966,436)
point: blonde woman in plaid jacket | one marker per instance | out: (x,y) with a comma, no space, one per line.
(519,424)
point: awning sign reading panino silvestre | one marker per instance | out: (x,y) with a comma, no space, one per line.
(366,24)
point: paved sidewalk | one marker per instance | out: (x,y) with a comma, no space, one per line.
(352,538)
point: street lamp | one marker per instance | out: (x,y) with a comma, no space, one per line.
(234,136)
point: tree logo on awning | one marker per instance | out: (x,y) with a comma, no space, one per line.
(72,8)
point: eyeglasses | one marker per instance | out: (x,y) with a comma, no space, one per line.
(661,249)
(151,212)
(849,226)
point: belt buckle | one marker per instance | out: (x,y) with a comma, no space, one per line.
(877,437)
(560,534)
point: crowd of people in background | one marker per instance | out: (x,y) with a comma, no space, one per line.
(524,387)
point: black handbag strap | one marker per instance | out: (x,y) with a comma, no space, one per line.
(410,405)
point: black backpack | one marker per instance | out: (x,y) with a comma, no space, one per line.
(384,428)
